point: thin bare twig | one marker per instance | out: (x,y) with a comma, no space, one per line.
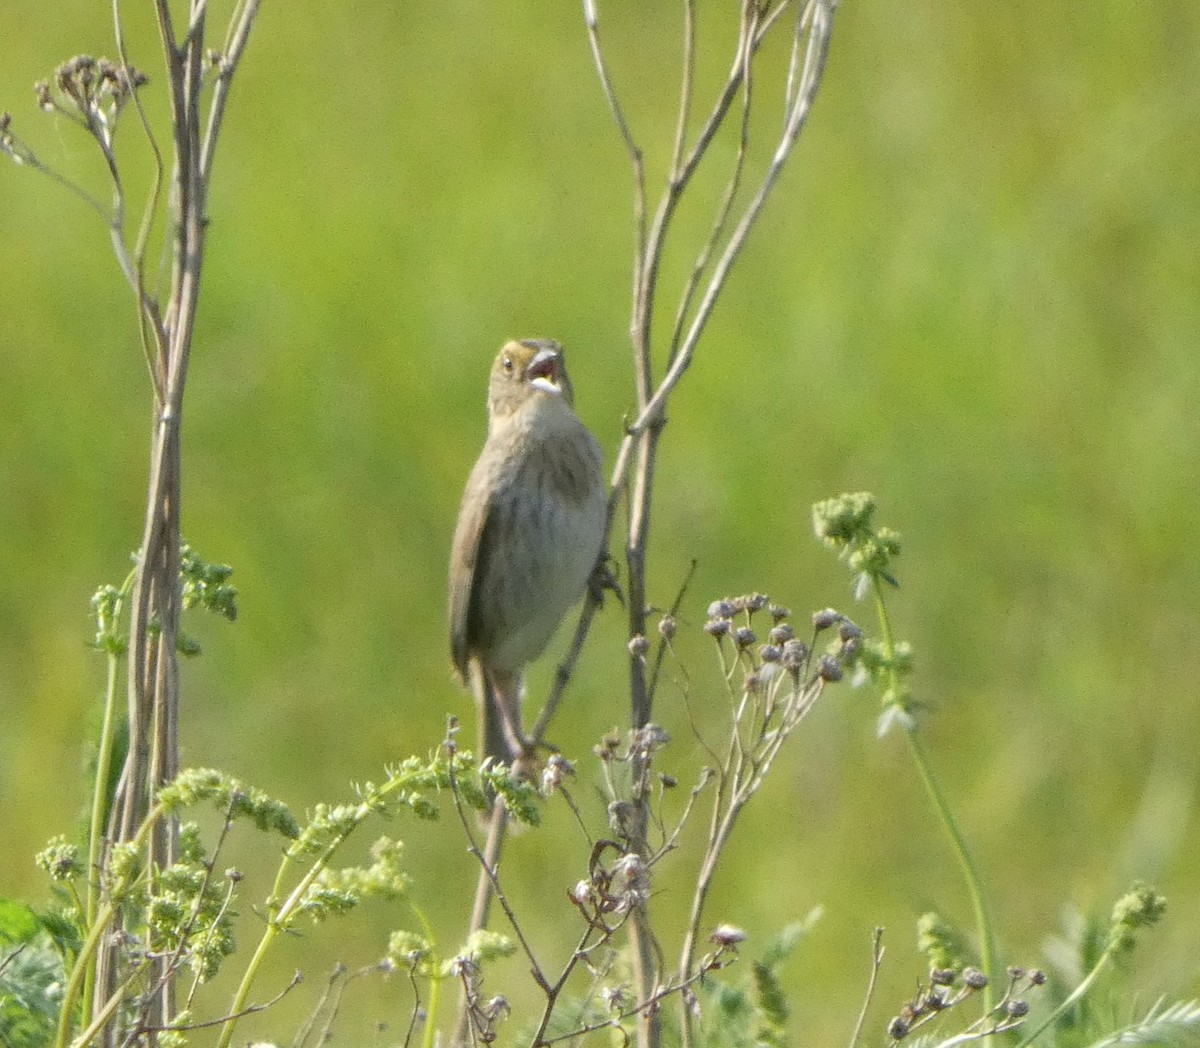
(817,53)
(227,63)
(638,450)
(250,1009)
(876,963)
(492,873)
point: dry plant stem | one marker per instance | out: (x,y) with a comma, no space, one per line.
(489,859)
(149,316)
(309,1024)
(661,652)
(153,674)
(820,29)
(250,1009)
(745,768)
(652,1004)
(876,963)
(582,949)
(489,886)
(415,1015)
(336,990)
(565,668)
(641,440)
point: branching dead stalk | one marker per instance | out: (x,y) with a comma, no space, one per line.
(93,93)
(638,450)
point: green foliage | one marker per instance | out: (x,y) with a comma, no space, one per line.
(1165,1026)
(942,944)
(1140,907)
(107,604)
(205,585)
(230,796)
(60,860)
(338,891)
(485,946)
(31,978)
(753,1012)
(188,910)
(411,952)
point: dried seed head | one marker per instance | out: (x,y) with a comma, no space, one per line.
(649,738)
(638,646)
(897,1029)
(744,636)
(497,1008)
(583,894)
(462,966)
(717,627)
(555,773)
(828,670)
(1017,1008)
(974,978)
(795,654)
(720,609)
(942,976)
(770,652)
(778,612)
(629,882)
(727,935)
(666,627)
(756,602)
(781,632)
(822,620)
(606,749)
(614,997)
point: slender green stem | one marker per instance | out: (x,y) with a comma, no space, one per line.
(983,923)
(435,982)
(243,990)
(110,1006)
(84,965)
(1074,997)
(96,830)
(85,962)
(281,920)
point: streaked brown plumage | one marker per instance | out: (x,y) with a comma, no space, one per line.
(529,534)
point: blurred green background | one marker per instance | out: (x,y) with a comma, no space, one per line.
(976,292)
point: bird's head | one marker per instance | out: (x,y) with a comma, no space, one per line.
(526,369)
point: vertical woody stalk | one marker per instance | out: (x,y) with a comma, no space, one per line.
(153,684)
(813,26)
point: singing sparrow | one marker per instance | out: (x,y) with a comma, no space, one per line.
(529,534)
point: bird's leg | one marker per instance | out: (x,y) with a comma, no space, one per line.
(507,690)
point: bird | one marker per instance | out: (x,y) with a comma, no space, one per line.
(530,533)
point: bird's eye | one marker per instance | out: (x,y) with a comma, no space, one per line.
(507,364)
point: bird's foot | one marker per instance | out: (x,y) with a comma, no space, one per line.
(604,579)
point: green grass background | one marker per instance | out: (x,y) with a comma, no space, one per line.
(976,292)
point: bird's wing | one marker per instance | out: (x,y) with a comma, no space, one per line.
(464,561)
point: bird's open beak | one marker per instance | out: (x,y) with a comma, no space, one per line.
(543,371)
